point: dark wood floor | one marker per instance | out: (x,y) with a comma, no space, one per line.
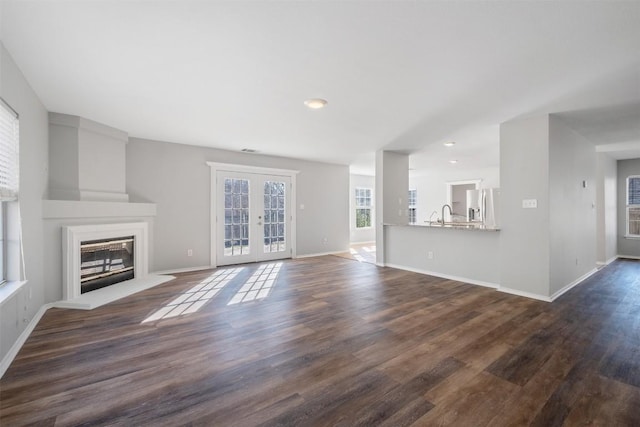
(336,342)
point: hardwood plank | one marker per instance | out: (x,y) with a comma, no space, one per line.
(338,342)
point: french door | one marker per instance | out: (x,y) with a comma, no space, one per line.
(253,217)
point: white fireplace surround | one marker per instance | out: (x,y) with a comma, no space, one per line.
(73,236)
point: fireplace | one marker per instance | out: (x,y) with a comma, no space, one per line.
(105,262)
(100,255)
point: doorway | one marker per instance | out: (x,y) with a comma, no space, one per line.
(457,198)
(253,217)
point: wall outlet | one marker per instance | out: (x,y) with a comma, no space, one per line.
(430,255)
(324,240)
(189,252)
(529,203)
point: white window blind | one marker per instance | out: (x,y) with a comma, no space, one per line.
(9,146)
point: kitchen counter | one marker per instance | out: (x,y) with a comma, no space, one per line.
(451,226)
(449,251)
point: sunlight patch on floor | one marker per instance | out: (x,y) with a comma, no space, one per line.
(259,285)
(192,300)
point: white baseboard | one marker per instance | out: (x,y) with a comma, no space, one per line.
(184,270)
(445,276)
(15,348)
(321,254)
(629,256)
(572,284)
(524,294)
(601,264)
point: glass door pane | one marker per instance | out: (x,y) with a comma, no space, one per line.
(274,216)
(236,217)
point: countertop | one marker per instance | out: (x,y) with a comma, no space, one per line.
(451,226)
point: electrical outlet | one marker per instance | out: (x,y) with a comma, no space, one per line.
(529,203)
(324,241)
(430,255)
(189,252)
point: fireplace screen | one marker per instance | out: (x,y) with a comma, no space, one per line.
(105,262)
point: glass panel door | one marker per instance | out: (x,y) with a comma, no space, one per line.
(275,232)
(253,217)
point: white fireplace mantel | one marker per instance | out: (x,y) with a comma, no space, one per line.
(73,236)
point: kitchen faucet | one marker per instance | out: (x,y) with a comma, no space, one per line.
(450,212)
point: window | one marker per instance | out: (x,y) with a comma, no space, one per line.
(413,195)
(363,207)
(9,173)
(633,206)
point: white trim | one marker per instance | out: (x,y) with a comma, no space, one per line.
(631,236)
(230,167)
(523,294)
(445,276)
(184,270)
(369,242)
(573,284)
(629,256)
(321,254)
(607,262)
(213,199)
(9,289)
(17,345)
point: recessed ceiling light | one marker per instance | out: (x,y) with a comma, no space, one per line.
(315,103)
(449,143)
(453,162)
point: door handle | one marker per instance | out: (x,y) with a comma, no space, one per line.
(259,223)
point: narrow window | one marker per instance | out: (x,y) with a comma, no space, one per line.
(9,173)
(413,199)
(363,207)
(633,206)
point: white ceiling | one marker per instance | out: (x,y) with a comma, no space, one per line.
(398,75)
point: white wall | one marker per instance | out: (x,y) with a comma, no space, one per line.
(431,186)
(368,234)
(18,311)
(606,207)
(176,178)
(524,235)
(626,247)
(572,220)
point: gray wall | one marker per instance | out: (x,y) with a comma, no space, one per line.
(17,312)
(467,255)
(524,235)
(392,192)
(606,208)
(176,178)
(626,247)
(361,234)
(572,220)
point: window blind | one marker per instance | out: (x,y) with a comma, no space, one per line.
(634,190)
(9,147)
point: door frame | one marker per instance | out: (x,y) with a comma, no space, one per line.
(213,200)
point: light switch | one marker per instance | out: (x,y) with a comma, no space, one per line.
(529,203)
